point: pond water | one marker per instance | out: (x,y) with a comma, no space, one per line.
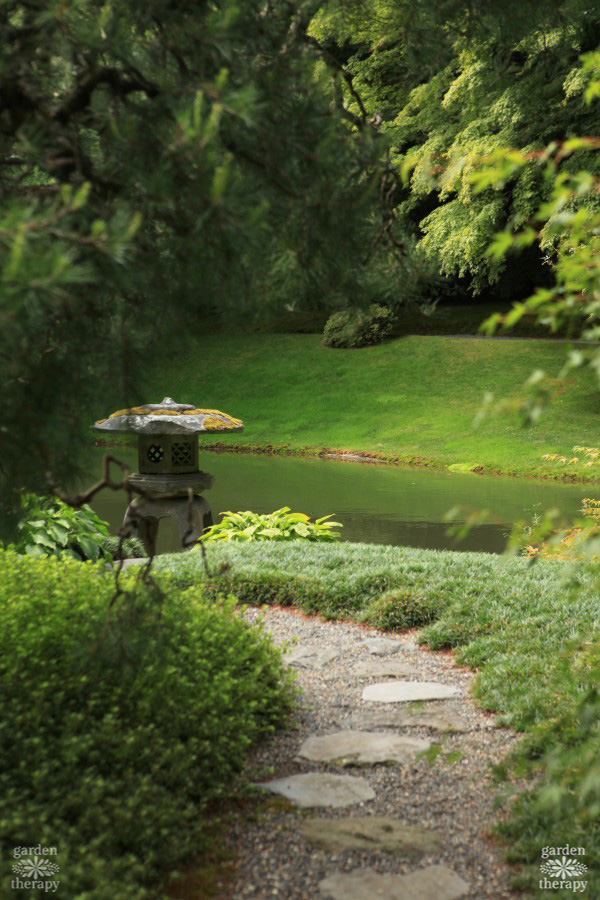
(376,503)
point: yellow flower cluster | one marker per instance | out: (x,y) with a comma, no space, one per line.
(590,508)
(592,453)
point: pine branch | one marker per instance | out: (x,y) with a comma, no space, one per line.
(119,83)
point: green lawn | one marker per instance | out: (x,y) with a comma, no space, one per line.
(412,398)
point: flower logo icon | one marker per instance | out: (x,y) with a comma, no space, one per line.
(35,867)
(563,868)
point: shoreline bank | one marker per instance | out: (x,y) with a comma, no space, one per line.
(369,458)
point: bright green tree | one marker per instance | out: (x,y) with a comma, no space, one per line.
(452,81)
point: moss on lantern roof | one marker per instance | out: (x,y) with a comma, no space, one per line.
(180,418)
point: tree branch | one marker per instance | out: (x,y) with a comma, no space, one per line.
(119,83)
(330,59)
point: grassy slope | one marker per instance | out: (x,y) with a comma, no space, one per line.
(410,397)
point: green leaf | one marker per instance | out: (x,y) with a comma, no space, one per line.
(501,244)
(59,534)
(81,196)
(89,548)
(43,539)
(301,529)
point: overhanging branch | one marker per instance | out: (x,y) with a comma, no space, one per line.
(330,59)
(119,83)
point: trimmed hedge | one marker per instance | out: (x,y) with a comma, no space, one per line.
(358,328)
(400,609)
(121,729)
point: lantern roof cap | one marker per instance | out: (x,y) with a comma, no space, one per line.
(168,417)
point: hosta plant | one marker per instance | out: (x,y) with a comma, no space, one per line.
(50,527)
(281,525)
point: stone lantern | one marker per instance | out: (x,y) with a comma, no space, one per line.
(168,465)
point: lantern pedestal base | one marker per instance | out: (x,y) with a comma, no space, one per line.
(143,515)
(153,486)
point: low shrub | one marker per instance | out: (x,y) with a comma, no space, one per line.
(358,328)
(130,548)
(269,588)
(399,609)
(281,525)
(121,728)
(50,527)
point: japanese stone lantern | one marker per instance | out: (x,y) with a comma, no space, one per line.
(168,465)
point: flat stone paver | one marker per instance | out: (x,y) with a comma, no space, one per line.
(431,883)
(370,833)
(384,668)
(313,789)
(405,691)
(310,657)
(382,646)
(391,717)
(358,748)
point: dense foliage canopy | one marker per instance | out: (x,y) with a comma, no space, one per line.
(453,82)
(159,160)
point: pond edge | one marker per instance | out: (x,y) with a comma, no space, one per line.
(362,456)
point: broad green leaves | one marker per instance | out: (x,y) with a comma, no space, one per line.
(281,525)
(52,528)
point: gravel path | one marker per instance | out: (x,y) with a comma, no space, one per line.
(450,796)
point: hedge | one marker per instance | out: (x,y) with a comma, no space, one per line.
(122,727)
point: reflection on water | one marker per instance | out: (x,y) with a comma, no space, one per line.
(380,504)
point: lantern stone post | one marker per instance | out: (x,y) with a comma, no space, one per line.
(168,465)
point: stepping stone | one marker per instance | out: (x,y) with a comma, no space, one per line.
(310,657)
(405,691)
(438,720)
(431,883)
(383,668)
(370,833)
(359,748)
(382,646)
(321,789)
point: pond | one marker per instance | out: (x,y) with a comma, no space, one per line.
(376,503)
